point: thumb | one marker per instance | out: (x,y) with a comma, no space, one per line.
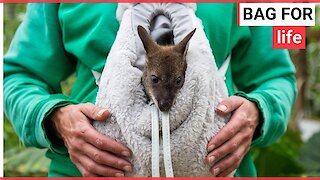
(94,112)
(229,104)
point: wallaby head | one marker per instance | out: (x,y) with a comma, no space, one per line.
(164,70)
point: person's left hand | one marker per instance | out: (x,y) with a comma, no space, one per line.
(227,149)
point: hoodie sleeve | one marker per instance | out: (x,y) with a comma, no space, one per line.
(265,76)
(34,66)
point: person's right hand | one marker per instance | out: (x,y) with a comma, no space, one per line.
(92,152)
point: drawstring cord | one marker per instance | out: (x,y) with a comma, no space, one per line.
(165,143)
(155,142)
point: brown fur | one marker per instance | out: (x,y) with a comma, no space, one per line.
(165,69)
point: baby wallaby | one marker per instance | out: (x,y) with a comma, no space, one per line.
(164,70)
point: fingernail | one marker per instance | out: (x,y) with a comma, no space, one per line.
(119,175)
(125,153)
(210,148)
(101,112)
(211,159)
(216,171)
(127,168)
(222,107)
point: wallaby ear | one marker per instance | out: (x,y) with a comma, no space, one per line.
(182,47)
(148,43)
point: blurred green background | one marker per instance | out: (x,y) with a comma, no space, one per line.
(295,154)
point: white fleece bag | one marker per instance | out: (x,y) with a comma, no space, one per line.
(192,120)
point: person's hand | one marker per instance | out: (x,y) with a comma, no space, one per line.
(227,149)
(92,152)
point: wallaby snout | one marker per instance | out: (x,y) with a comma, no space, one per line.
(165,105)
(164,70)
(166,98)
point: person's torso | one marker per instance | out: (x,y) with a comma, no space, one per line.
(89,30)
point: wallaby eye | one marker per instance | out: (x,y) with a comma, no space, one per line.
(179,80)
(154,79)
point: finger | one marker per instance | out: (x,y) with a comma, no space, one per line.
(227,172)
(81,168)
(94,112)
(86,173)
(103,142)
(92,168)
(226,133)
(230,104)
(88,167)
(105,158)
(232,160)
(227,148)
(223,165)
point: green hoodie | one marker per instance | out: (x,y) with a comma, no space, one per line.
(56,40)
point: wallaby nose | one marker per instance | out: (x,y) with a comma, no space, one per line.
(164,105)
